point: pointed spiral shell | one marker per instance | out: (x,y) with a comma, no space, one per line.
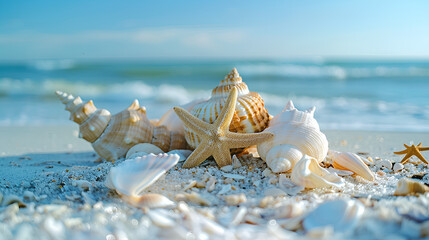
(112,136)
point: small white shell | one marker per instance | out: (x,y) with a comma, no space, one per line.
(384,163)
(398,167)
(150,200)
(341,215)
(352,162)
(309,174)
(143,149)
(132,176)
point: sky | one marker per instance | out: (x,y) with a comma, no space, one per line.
(100,29)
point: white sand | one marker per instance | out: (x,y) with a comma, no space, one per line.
(55,166)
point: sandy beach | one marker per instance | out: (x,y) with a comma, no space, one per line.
(60,186)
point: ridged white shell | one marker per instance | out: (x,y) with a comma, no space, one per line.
(132,176)
(250,114)
(113,136)
(352,162)
(341,215)
(309,174)
(296,133)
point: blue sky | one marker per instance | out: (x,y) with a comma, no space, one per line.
(213,29)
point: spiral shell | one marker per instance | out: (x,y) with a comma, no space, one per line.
(250,115)
(297,134)
(112,136)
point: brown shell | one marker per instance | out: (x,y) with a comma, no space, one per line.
(250,114)
(113,136)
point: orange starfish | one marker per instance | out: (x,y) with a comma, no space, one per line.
(413,150)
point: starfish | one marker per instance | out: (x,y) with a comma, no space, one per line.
(217,140)
(413,150)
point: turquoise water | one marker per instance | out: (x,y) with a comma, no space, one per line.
(352,95)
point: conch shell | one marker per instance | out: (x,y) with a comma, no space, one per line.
(297,134)
(250,115)
(112,136)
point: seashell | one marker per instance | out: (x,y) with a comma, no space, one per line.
(149,200)
(398,167)
(192,184)
(112,136)
(384,164)
(82,184)
(250,114)
(142,149)
(236,162)
(235,199)
(132,176)
(11,199)
(289,210)
(297,133)
(341,215)
(351,162)
(238,216)
(29,196)
(160,219)
(211,184)
(309,174)
(410,187)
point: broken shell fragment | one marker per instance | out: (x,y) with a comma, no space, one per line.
(351,162)
(236,162)
(309,174)
(410,187)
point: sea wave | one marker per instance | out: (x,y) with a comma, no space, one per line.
(331,71)
(33,102)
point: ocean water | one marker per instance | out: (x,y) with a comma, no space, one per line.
(348,95)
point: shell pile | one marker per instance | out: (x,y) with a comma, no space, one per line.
(112,136)
(250,114)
